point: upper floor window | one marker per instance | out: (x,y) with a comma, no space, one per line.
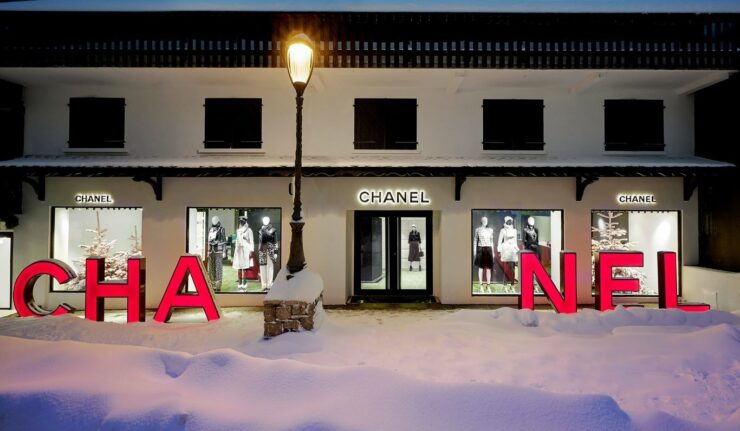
(513,124)
(633,125)
(96,122)
(233,123)
(385,124)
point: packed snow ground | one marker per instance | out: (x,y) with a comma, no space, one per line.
(630,369)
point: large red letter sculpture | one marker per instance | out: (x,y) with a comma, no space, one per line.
(530,267)
(133,288)
(25,305)
(668,283)
(606,284)
(176,295)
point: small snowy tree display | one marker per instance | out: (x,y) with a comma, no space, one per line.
(610,236)
(115,264)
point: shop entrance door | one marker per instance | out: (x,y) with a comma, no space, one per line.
(393,254)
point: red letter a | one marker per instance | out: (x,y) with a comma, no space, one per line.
(176,295)
(668,283)
(530,267)
(96,289)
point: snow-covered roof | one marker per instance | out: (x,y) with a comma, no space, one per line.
(364,161)
(380,5)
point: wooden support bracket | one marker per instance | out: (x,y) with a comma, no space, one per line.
(156,183)
(690,183)
(459,180)
(581,183)
(38,184)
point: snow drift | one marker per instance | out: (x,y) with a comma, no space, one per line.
(630,369)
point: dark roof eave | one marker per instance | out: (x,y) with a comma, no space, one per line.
(414,171)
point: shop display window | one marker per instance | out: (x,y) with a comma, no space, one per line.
(240,247)
(6,265)
(499,235)
(82,232)
(646,231)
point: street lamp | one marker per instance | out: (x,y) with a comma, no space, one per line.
(299,58)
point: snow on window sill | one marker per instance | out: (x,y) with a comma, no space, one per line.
(93,151)
(514,152)
(234,151)
(385,152)
(633,153)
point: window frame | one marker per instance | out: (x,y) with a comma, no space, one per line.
(237,208)
(679,251)
(471,263)
(9,236)
(52,217)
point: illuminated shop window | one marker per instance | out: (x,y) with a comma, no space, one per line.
(499,235)
(79,233)
(6,265)
(240,247)
(645,231)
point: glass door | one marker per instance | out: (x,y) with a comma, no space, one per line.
(392,253)
(6,265)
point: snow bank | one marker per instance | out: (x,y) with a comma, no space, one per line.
(641,369)
(222,389)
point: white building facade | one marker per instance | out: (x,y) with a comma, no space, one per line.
(422,221)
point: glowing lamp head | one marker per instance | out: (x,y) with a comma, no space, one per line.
(299,57)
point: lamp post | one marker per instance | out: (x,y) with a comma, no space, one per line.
(299,58)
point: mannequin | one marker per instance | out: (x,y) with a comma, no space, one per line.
(483,252)
(414,250)
(268,249)
(531,237)
(242,252)
(216,252)
(508,247)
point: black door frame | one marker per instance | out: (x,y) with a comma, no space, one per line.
(392,271)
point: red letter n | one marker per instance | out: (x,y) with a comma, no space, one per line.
(531,268)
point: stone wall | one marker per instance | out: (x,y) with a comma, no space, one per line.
(289,316)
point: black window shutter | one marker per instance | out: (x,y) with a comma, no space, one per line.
(633,125)
(513,124)
(233,123)
(400,124)
(247,123)
(96,122)
(369,124)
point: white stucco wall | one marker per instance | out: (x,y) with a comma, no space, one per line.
(165,114)
(165,118)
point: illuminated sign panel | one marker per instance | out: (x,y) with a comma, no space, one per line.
(393,197)
(636,199)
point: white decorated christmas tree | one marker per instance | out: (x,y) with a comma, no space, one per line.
(115,265)
(612,237)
